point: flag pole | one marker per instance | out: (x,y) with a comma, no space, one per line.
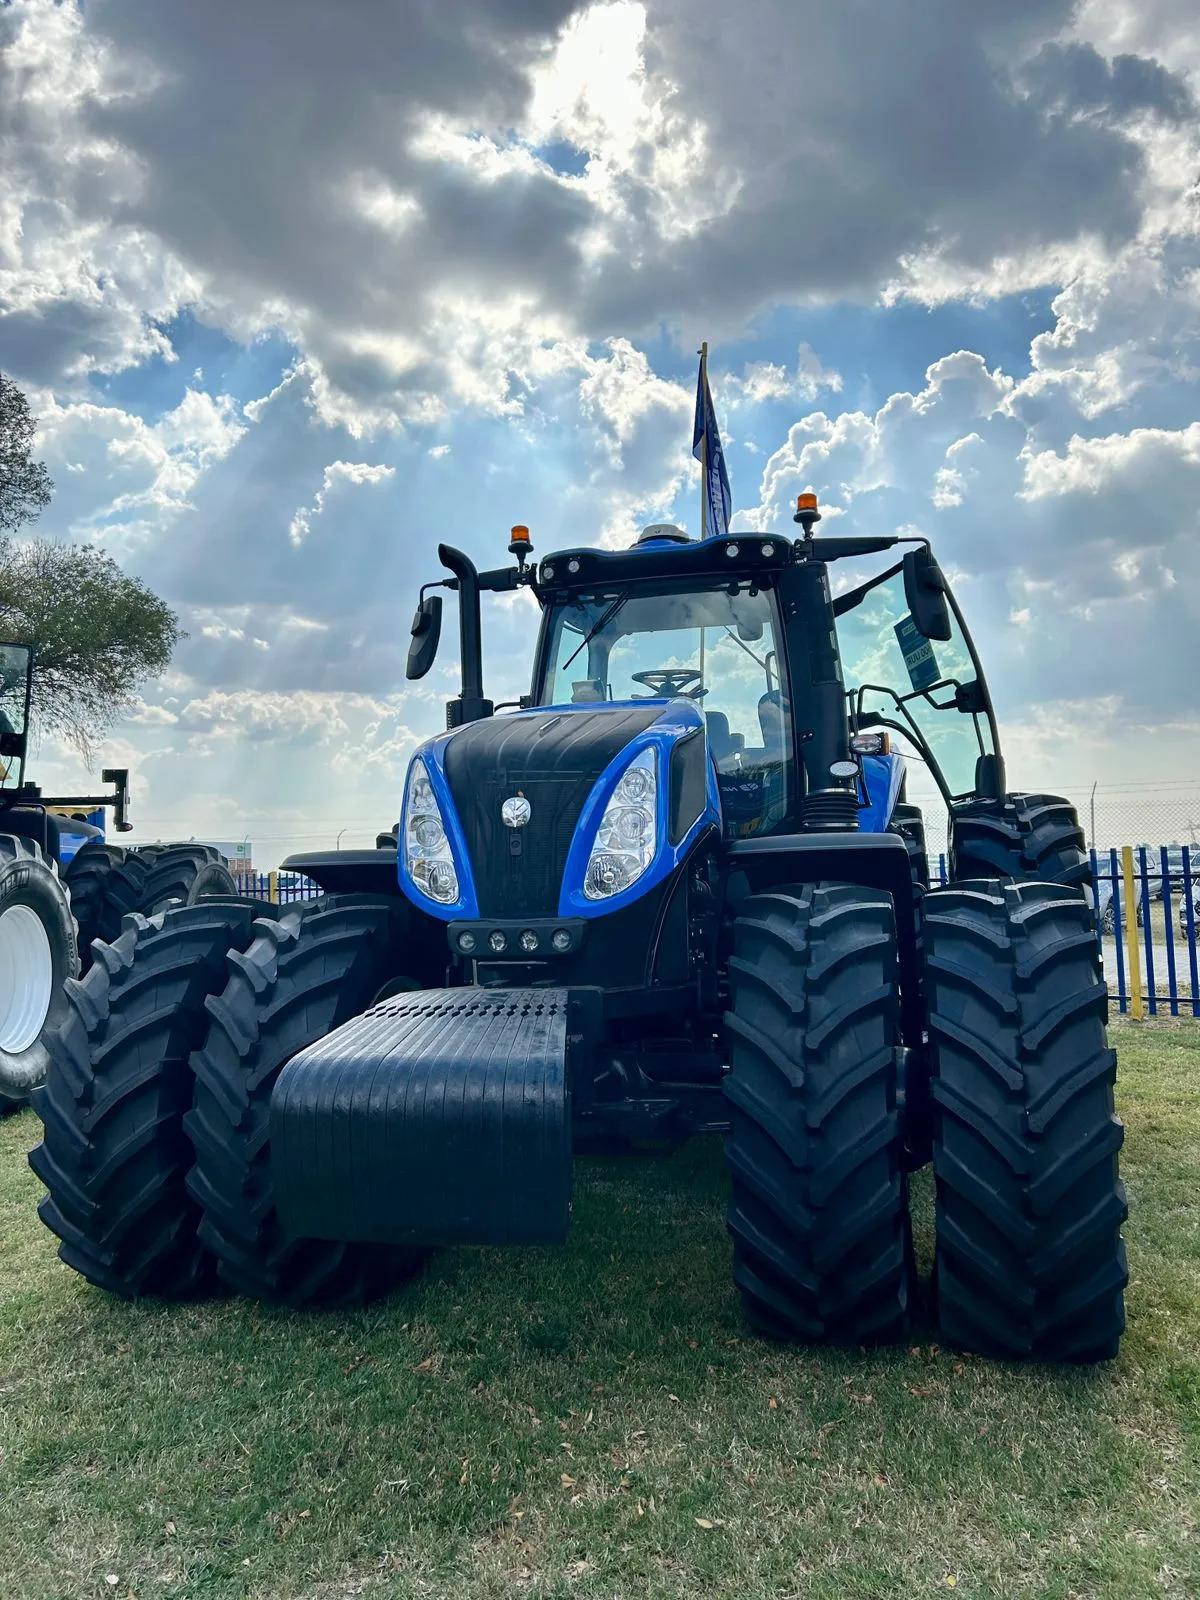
(704,444)
(703,474)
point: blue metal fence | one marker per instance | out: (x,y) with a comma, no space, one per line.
(284,888)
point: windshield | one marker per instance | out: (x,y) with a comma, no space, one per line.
(718,646)
(927,687)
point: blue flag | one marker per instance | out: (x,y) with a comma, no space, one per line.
(706,447)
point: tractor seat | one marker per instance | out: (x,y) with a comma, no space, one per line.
(726,747)
(770,720)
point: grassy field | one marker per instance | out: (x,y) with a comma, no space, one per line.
(595,1422)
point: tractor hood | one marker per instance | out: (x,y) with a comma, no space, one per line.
(502,817)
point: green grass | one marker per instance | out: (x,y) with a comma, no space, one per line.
(596,1422)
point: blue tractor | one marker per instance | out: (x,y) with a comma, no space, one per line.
(675,889)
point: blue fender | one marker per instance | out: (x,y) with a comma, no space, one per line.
(882,777)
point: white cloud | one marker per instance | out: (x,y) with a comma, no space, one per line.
(336,473)
(767,380)
(1145,465)
(119,478)
(457,249)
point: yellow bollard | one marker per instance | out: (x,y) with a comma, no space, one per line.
(1133,952)
(273,887)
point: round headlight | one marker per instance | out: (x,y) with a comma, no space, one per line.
(428,832)
(498,942)
(442,881)
(466,943)
(633,825)
(560,939)
(529,940)
(608,873)
(636,786)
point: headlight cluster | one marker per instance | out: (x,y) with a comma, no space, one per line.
(427,849)
(625,840)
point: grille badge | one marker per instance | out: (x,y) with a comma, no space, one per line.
(515,811)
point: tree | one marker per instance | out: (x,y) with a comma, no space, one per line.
(24,483)
(96,633)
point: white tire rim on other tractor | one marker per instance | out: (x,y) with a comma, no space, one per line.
(26,978)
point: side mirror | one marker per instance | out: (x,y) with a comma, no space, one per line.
(426,632)
(925,592)
(750,632)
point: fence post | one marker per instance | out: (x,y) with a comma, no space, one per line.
(273,887)
(1137,1008)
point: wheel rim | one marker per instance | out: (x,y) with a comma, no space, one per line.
(26,978)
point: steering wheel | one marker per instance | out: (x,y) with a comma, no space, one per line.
(667,682)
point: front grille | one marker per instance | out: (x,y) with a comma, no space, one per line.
(553,759)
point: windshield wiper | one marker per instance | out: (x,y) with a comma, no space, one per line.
(606,617)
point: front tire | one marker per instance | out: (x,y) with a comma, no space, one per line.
(1030,1261)
(818,1213)
(303,976)
(113,1154)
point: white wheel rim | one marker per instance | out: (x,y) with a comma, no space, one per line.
(26,978)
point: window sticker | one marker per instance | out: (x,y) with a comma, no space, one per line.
(918,654)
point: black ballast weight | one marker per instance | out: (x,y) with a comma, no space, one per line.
(441,1116)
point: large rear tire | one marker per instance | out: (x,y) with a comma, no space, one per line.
(818,1213)
(182,874)
(314,969)
(37,955)
(1024,838)
(113,1154)
(1030,1261)
(105,883)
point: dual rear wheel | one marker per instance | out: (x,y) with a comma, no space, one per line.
(1029,1260)
(155,1151)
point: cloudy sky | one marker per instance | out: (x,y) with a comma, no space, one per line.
(298,289)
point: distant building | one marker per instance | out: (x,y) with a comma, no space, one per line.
(240,855)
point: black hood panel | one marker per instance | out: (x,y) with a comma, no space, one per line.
(551,757)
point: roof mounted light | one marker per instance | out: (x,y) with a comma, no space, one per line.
(807,514)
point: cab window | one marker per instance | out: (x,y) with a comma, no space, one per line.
(927,687)
(718,646)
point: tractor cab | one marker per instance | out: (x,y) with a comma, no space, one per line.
(713,642)
(814,672)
